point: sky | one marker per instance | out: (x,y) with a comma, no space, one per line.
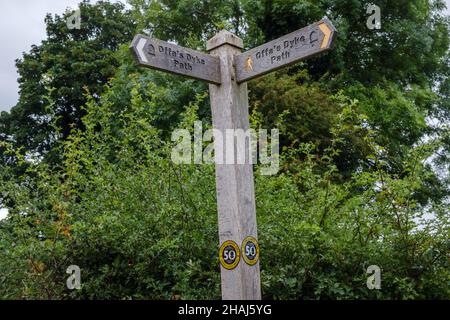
(22,25)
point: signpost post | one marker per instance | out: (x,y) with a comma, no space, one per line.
(226,69)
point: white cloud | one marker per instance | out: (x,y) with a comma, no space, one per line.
(3,213)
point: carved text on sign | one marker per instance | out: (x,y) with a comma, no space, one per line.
(165,56)
(289,49)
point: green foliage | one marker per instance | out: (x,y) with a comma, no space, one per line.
(86,173)
(141,227)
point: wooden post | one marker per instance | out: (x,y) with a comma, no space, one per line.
(227,70)
(234,182)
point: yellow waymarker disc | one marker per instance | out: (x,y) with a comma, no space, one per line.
(229,255)
(250,250)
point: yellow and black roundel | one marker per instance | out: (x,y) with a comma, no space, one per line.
(229,255)
(250,250)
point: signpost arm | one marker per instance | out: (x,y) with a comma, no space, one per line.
(234,182)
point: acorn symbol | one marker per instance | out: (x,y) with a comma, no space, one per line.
(151,50)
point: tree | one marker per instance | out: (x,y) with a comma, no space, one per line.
(355,189)
(398,73)
(62,68)
(141,227)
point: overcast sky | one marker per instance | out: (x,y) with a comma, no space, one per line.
(21,25)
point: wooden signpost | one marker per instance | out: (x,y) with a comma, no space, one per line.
(226,69)
(289,49)
(165,56)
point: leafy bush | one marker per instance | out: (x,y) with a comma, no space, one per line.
(141,227)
